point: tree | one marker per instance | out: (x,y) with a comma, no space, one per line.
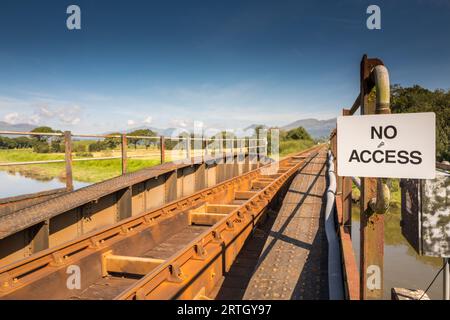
(112,142)
(299,133)
(41,142)
(142,133)
(418,99)
(42,129)
(98,146)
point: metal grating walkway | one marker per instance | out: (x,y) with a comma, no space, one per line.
(287,256)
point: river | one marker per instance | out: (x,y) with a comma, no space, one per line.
(14,184)
(403,267)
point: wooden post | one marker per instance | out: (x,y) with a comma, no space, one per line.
(162,148)
(372,224)
(124,147)
(68,158)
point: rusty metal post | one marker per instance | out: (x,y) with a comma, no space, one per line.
(372,224)
(124,146)
(347,195)
(68,159)
(162,148)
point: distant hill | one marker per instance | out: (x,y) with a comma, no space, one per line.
(5,126)
(316,128)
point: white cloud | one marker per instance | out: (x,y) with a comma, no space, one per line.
(11,118)
(148,120)
(52,113)
(131,122)
(179,123)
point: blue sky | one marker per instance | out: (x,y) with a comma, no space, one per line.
(227,64)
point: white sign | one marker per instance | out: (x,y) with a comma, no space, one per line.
(387,146)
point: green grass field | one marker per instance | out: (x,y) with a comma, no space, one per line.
(99,170)
(292,146)
(84,171)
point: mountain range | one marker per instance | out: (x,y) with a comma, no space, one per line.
(5,126)
(316,128)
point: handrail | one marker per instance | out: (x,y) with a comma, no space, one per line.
(246,145)
(335,281)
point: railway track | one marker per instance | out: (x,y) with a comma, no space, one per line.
(178,251)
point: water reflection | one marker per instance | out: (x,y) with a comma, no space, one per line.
(403,267)
(14,184)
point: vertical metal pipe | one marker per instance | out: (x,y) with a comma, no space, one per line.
(68,159)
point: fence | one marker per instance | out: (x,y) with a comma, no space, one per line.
(186,145)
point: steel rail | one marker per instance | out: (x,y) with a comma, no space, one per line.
(25,272)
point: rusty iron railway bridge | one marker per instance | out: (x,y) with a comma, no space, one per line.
(237,225)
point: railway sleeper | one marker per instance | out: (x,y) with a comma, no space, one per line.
(117,264)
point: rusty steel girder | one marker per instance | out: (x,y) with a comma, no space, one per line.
(230,211)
